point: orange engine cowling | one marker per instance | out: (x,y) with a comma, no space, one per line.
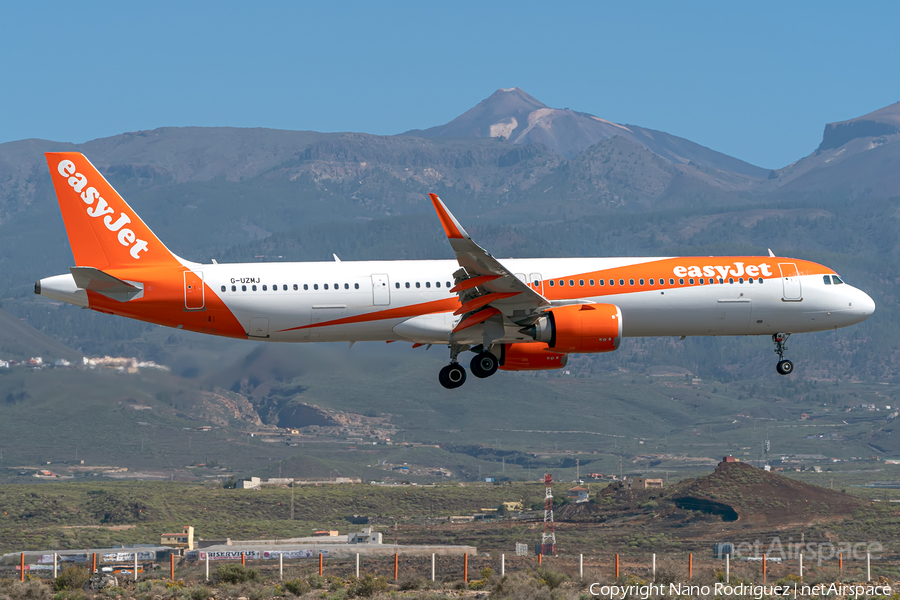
(530,357)
(579,328)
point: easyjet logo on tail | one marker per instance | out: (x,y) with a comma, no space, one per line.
(736,269)
(98,207)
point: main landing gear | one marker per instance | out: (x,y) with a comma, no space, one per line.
(784,367)
(484,364)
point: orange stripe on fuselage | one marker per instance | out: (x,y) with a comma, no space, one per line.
(163,303)
(403,312)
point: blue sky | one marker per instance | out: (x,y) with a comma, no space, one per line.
(757,80)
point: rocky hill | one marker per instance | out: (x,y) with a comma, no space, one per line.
(513,115)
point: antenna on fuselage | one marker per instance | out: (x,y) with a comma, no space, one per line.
(770,253)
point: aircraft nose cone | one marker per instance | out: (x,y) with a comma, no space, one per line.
(866,305)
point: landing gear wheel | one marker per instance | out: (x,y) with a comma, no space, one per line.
(484,365)
(452,376)
(785,367)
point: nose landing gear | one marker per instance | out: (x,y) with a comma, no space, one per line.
(784,367)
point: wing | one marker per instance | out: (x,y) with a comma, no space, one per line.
(483,283)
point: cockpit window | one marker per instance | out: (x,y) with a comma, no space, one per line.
(837,280)
(827,279)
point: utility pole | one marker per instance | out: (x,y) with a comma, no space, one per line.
(577,469)
(620,467)
(292,500)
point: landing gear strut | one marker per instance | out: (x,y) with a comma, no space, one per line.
(784,367)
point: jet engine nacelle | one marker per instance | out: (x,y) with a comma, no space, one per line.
(579,328)
(530,357)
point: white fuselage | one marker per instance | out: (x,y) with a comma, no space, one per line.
(323,292)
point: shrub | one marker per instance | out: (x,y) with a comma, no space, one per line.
(72,578)
(69,595)
(368,585)
(200,592)
(297,587)
(234,573)
(552,579)
(316,582)
(32,589)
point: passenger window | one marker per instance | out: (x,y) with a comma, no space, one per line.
(243,288)
(760,279)
(284,288)
(295,287)
(750,280)
(621,282)
(223,288)
(346,286)
(700,281)
(731,280)
(580,282)
(356,286)
(740,280)
(316,286)
(631,282)
(264,288)
(612,282)
(428,284)
(837,279)
(651,282)
(572,282)
(254,288)
(601,281)
(448,284)
(642,282)
(591,282)
(234,288)
(305,286)
(561,283)
(418,285)
(407,285)
(681,281)
(552,283)
(691,281)
(337,286)
(437,284)
(396,285)
(325,286)
(671,281)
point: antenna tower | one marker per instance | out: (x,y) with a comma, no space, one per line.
(548,538)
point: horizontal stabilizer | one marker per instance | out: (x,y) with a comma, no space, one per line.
(95,280)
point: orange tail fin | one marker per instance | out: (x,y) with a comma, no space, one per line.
(103,230)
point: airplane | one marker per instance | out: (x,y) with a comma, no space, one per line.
(514,315)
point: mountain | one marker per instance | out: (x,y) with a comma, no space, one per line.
(515,116)
(21,341)
(860,156)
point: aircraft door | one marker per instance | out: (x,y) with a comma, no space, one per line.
(536,282)
(381,289)
(790,278)
(193,290)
